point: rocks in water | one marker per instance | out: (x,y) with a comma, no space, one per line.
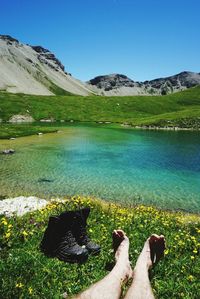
(44,180)
(104,122)
(8,151)
(44,120)
(19,118)
(126,125)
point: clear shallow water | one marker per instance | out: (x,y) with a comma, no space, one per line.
(151,167)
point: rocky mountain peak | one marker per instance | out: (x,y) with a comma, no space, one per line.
(109,82)
(45,56)
(40,49)
(8,38)
(174,83)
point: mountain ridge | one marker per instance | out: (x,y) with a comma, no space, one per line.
(33,69)
(115,83)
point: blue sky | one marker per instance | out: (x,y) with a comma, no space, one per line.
(143,39)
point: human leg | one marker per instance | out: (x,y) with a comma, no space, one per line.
(110,286)
(151,253)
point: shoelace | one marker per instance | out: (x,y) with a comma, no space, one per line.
(83,235)
(68,239)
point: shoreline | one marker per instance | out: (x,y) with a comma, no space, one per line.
(54,127)
(20,205)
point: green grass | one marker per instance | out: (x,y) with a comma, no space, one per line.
(27,273)
(13,131)
(58,90)
(182,109)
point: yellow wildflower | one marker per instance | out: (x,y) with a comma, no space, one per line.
(166,251)
(7,235)
(30,290)
(192,257)
(190,277)
(4,221)
(19,285)
(24,233)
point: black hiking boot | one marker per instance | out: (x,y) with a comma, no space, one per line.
(51,238)
(58,240)
(68,249)
(80,232)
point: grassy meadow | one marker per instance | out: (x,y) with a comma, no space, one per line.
(180,109)
(27,273)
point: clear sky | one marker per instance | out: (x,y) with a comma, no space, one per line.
(143,39)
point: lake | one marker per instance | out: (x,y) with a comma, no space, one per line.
(160,168)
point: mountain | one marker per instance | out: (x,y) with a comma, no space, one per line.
(117,84)
(34,70)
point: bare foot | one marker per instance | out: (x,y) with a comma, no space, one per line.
(152,252)
(121,248)
(157,247)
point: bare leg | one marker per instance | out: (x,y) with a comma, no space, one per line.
(151,253)
(110,286)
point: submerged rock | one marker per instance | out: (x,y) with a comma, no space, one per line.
(43,180)
(8,151)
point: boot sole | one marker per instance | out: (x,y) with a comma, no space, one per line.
(96,252)
(72,260)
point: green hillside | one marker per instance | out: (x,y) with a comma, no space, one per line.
(180,109)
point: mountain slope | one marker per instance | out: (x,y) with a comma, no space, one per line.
(117,84)
(34,70)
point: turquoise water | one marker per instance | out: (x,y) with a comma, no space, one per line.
(126,165)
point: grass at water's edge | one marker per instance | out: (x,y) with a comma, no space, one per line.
(13,131)
(27,273)
(181,109)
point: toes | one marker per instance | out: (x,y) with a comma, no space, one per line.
(157,247)
(118,237)
(160,248)
(119,233)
